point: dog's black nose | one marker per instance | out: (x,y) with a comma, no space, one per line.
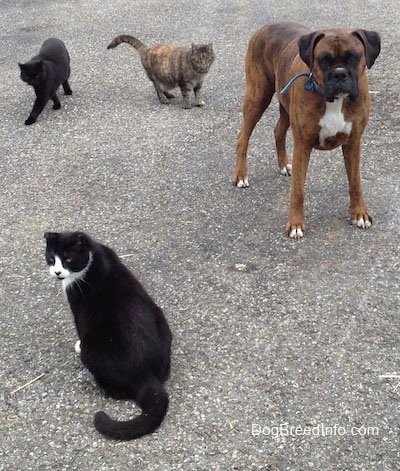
(339,74)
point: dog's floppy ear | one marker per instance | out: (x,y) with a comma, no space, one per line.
(372,44)
(307,44)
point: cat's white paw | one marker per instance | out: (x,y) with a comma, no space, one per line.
(78,347)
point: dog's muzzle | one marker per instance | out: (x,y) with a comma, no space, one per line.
(341,82)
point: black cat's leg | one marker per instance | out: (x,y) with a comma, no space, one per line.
(67,88)
(38,106)
(56,101)
(197,95)
(186,96)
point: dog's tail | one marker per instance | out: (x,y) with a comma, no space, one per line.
(153,400)
(125,38)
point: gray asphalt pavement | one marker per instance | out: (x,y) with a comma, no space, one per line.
(285,352)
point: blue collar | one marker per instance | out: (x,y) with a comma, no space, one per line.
(310,85)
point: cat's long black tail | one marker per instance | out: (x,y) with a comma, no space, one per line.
(153,400)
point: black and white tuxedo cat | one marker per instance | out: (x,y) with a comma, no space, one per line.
(125,341)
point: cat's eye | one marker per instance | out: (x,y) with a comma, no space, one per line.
(52,259)
(68,260)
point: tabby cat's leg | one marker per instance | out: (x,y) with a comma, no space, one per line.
(67,88)
(197,95)
(186,96)
(161,94)
(169,95)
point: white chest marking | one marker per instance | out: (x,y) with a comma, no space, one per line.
(333,121)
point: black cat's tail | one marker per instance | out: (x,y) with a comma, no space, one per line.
(153,400)
(125,38)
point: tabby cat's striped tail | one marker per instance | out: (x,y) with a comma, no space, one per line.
(125,38)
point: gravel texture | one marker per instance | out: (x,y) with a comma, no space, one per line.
(281,347)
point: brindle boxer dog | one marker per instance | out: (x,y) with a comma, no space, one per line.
(326,106)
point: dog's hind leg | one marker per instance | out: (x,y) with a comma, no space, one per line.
(258,95)
(285,165)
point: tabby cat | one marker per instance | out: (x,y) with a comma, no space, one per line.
(45,72)
(172,66)
(125,341)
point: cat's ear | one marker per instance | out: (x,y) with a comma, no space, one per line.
(210,47)
(51,238)
(39,65)
(80,239)
(50,235)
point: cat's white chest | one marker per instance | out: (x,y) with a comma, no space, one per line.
(333,122)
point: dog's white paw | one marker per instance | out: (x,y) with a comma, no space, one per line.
(78,347)
(243,183)
(363,223)
(296,233)
(286,171)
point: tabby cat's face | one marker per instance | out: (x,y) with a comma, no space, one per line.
(32,73)
(202,57)
(67,256)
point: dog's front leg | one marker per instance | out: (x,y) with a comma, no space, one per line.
(301,157)
(358,209)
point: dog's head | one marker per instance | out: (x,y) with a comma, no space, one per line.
(338,57)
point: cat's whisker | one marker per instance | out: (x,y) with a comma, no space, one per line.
(76,284)
(80,281)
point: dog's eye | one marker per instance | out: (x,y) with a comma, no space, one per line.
(326,61)
(352,59)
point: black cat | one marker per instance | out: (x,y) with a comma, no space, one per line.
(125,340)
(46,72)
